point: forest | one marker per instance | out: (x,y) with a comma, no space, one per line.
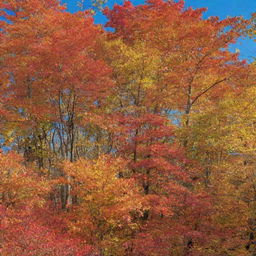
(133,138)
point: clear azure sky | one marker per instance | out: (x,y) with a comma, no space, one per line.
(221,8)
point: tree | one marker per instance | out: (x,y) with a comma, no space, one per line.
(138,141)
(106,203)
(188,56)
(46,89)
(169,61)
(27,226)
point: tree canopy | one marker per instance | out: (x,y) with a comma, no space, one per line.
(134,141)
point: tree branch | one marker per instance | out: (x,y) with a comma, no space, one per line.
(206,90)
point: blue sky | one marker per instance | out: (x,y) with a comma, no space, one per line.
(221,8)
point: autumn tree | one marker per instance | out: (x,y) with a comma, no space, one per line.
(168,61)
(45,89)
(136,141)
(107,203)
(27,225)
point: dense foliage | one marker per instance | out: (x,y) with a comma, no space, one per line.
(134,141)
